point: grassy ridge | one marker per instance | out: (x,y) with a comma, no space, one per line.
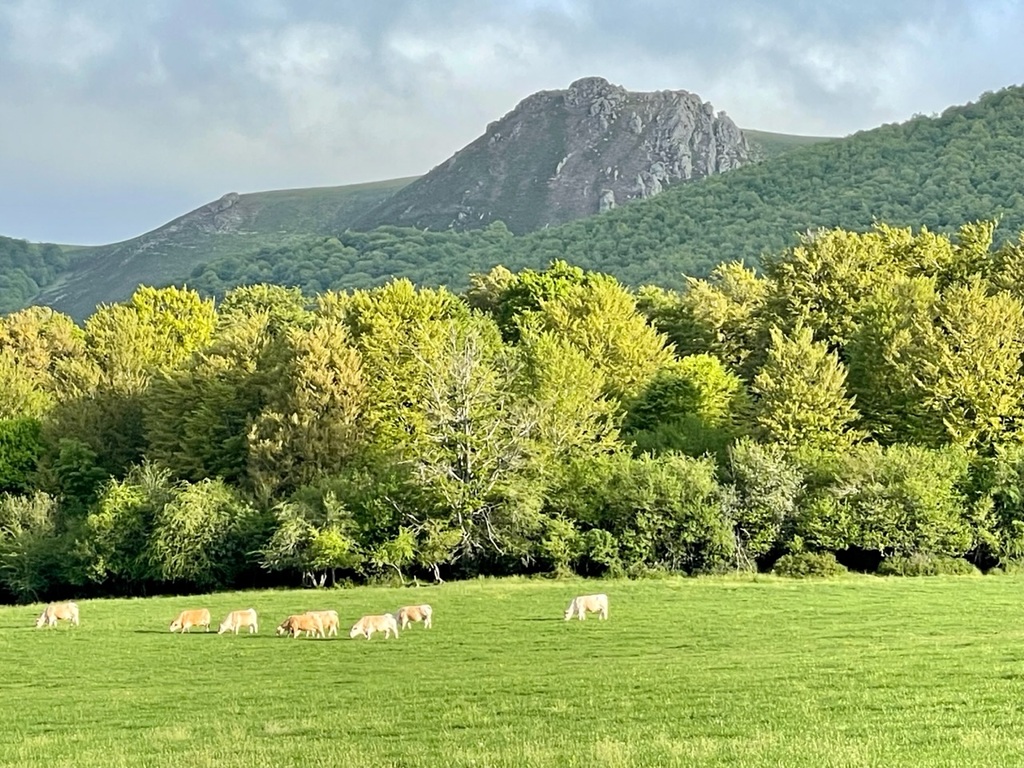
(713,672)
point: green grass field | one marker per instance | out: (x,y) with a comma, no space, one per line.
(710,672)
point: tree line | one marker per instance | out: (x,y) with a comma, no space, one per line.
(859,402)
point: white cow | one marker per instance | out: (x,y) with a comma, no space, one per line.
(238,619)
(296,624)
(410,614)
(200,617)
(54,611)
(329,620)
(367,625)
(583,604)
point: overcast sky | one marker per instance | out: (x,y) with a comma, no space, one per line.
(118,116)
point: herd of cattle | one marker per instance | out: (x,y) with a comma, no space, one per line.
(316,623)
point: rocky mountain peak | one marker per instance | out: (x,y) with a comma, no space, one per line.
(563,154)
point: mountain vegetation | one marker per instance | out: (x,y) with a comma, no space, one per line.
(930,171)
(859,402)
(233,226)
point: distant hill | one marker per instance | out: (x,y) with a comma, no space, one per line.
(565,154)
(233,226)
(765,144)
(939,172)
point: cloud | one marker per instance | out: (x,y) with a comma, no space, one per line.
(180,101)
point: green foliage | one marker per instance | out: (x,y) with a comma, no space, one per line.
(664,512)
(800,394)
(202,535)
(926,565)
(765,490)
(899,500)
(21,447)
(24,268)
(694,405)
(807,565)
(33,555)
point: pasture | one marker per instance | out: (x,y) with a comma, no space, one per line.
(712,672)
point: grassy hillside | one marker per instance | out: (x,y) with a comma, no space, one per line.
(765,144)
(261,219)
(939,172)
(710,672)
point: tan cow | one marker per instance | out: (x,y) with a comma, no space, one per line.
(296,624)
(200,617)
(367,625)
(329,619)
(584,603)
(410,614)
(238,619)
(55,611)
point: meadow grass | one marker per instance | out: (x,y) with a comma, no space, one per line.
(711,672)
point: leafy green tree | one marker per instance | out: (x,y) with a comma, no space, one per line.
(316,417)
(43,360)
(475,468)
(21,447)
(565,392)
(800,394)
(202,535)
(648,513)
(599,317)
(314,537)
(197,417)
(765,489)
(399,332)
(283,307)
(116,532)
(936,368)
(900,500)
(32,553)
(718,316)
(693,405)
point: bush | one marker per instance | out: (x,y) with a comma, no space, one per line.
(1007,568)
(926,565)
(806,565)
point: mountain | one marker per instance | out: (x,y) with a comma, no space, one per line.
(562,155)
(233,226)
(940,172)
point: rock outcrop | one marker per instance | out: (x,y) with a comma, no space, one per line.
(561,155)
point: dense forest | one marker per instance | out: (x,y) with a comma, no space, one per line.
(24,268)
(933,171)
(858,403)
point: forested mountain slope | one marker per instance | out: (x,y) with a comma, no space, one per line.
(235,225)
(933,171)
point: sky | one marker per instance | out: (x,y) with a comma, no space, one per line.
(116,117)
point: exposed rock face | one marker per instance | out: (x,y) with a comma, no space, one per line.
(561,155)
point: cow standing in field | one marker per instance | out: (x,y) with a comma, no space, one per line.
(329,620)
(583,604)
(367,625)
(410,614)
(54,611)
(199,617)
(299,623)
(238,619)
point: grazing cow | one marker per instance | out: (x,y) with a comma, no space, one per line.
(238,619)
(410,614)
(329,619)
(55,611)
(367,625)
(296,624)
(199,617)
(584,603)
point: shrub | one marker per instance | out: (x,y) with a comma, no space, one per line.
(805,565)
(926,565)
